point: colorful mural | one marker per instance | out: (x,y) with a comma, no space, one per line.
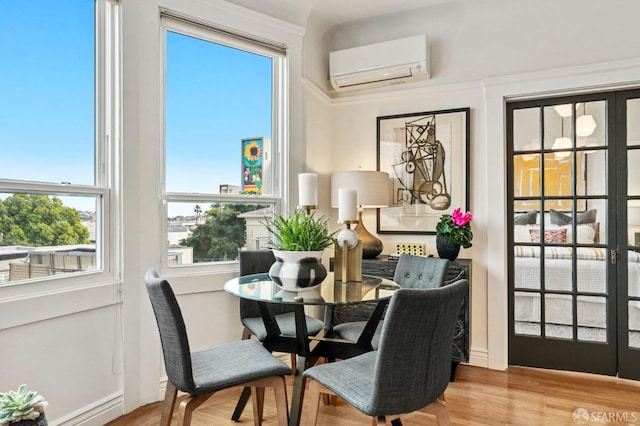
(252,162)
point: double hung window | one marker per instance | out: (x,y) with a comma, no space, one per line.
(224,108)
(57,106)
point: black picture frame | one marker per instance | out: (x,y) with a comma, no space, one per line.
(427,157)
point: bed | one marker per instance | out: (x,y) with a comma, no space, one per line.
(591,278)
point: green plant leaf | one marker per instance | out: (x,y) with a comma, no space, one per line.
(300,232)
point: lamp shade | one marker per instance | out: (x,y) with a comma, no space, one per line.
(372,187)
(308,189)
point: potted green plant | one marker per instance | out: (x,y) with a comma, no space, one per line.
(22,408)
(298,245)
(453,231)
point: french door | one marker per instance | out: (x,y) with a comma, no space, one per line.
(574,201)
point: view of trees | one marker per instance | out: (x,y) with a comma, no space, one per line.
(40,220)
(221,233)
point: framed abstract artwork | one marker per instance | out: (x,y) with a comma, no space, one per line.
(426,156)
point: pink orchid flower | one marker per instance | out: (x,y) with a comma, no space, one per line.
(461,219)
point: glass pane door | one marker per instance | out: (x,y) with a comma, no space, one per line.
(574,186)
(629,265)
(562,286)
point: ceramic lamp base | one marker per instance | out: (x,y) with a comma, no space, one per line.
(371,245)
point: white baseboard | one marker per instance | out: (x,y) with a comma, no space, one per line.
(97,414)
(479,358)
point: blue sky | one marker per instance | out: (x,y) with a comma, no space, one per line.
(46,113)
(215,95)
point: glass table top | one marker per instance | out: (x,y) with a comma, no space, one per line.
(260,287)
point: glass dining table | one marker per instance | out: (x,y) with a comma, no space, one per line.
(329,294)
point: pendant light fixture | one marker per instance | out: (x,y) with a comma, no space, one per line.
(562,143)
(585,124)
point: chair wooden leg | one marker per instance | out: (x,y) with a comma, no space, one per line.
(313,404)
(326,399)
(242,402)
(293,364)
(257,397)
(278,384)
(379,421)
(187,406)
(244,397)
(169,402)
(438,409)
(246,334)
(280,391)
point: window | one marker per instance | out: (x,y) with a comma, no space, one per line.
(54,126)
(222,168)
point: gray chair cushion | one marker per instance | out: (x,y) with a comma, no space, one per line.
(234,364)
(286,323)
(351,379)
(353,330)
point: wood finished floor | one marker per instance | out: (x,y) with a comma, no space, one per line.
(519,396)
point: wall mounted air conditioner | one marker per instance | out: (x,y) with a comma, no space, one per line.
(381,64)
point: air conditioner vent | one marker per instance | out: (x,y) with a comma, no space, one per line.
(374,65)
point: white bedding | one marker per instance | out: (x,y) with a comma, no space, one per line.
(591,278)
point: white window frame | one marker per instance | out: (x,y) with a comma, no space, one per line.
(107,131)
(176,23)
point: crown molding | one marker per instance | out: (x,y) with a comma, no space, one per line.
(388,93)
(313,89)
(592,77)
(244,13)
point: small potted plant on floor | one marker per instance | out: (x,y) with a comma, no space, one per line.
(22,408)
(298,246)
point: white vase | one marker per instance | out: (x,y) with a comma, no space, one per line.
(298,270)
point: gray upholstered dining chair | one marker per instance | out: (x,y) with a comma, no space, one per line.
(411,272)
(256,262)
(410,370)
(259,261)
(202,373)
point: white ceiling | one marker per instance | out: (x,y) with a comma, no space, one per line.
(331,12)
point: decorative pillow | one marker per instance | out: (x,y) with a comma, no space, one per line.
(558,218)
(521,233)
(588,233)
(558,235)
(528,218)
(596,226)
